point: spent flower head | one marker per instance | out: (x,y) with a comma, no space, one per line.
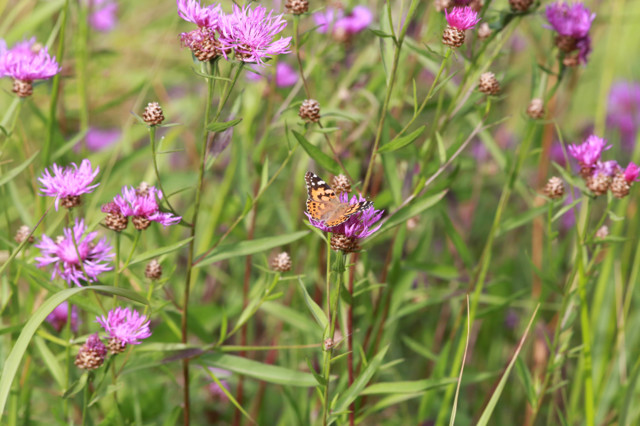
(126,325)
(68,183)
(74,255)
(251,33)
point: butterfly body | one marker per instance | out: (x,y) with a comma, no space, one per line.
(324,205)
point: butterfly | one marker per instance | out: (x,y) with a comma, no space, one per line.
(323,204)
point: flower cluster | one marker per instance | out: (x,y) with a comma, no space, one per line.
(343,27)
(67,184)
(249,33)
(572,22)
(25,62)
(624,110)
(75,256)
(124,326)
(141,206)
(345,236)
(602,176)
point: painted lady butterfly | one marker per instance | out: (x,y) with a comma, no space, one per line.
(324,205)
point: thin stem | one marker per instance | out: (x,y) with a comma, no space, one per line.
(85,399)
(296,41)
(339,270)
(55,90)
(152,142)
(136,239)
(352,273)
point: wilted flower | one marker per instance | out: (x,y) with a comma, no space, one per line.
(67,184)
(141,207)
(624,110)
(25,62)
(251,33)
(74,255)
(58,317)
(124,326)
(91,354)
(102,16)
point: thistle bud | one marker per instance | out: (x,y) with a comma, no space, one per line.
(488,84)
(310,110)
(152,114)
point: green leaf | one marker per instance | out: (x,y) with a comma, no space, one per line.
(381,34)
(316,311)
(442,151)
(219,126)
(407,386)
(316,153)
(491,405)
(51,361)
(160,251)
(412,209)
(12,362)
(245,248)
(520,220)
(358,385)
(402,141)
(6,177)
(258,370)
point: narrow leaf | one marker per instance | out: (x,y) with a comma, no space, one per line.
(402,141)
(316,311)
(219,126)
(160,251)
(316,153)
(6,177)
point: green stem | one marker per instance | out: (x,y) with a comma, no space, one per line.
(136,239)
(81,59)
(85,399)
(152,142)
(339,268)
(55,90)
(296,37)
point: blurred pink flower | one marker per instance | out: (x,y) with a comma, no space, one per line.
(103,14)
(286,75)
(58,317)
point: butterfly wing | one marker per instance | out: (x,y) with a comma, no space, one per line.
(344,214)
(317,189)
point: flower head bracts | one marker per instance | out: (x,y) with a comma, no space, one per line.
(71,264)
(573,20)
(360,225)
(144,206)
(193,11)
(462,18)
(71,181)
(251,33)
(125,325)
(26,62)
(588,153)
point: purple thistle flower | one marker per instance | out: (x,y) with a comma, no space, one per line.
(462,18)
(631,173)
(204,17)
(588,153)
(325,20)
(573,20)
(343,25)
(286,76)
(67,184)
(27,61)
(606,168)
(58,317)
(624,110)
(142,207)
(62,254)
(99,139)
(103,16)
(125,325)
(250,32)
(360,225)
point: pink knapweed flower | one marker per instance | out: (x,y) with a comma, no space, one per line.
(606,168)
(251,33)
(285,75)
(570,19)
(125,326)
(631,173)
(58,317)
(27,61)
(75,256)
(99,139)
(67,184)
(141,207)
(462,18)
(203,16)
(623,112)
(588,153)
(341,25)
(103,14)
